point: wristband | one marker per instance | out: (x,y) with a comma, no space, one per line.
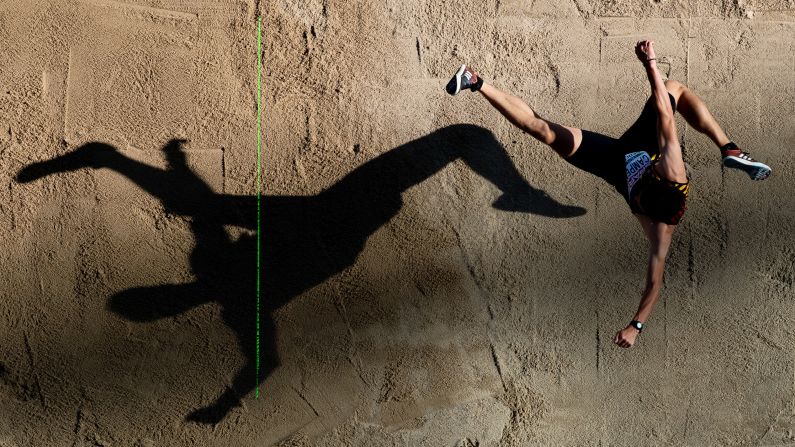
(652,59)
(637,325)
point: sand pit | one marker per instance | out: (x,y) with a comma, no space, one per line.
(407,300)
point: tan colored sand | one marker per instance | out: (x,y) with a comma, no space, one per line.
(415,313)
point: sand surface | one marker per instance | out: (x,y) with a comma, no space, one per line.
(406,301)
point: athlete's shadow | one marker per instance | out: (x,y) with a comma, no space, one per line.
(305,240)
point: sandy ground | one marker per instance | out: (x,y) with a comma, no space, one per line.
(407,302)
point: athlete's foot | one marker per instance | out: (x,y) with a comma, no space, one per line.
(465,77)
(734,157)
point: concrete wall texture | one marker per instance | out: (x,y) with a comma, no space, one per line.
(407,300)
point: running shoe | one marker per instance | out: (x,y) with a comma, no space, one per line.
(737,159)
(465,77)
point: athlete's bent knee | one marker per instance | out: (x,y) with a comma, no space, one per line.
(675,87)
(673,84)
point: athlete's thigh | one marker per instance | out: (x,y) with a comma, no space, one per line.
(642,134)
(601,156)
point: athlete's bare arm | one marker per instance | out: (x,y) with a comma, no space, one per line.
(659,236)
(671,165)
(658,251)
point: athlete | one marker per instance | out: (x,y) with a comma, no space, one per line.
(644,165)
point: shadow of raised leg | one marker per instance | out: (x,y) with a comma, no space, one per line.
(485,155)
(153,303)
(89,155)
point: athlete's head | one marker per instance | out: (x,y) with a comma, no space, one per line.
(662,202)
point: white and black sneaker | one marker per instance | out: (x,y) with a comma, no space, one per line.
(734,157)
(465,77)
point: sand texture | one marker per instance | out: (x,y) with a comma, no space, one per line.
(432,276)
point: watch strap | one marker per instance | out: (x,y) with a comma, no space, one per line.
(637,325)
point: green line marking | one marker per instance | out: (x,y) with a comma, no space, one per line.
(259,193)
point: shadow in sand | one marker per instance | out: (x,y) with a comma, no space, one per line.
(305,240)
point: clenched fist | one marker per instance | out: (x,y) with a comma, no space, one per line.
(645,50)
(626,337)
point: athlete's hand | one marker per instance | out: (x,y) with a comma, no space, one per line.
(626,337)
(645,50)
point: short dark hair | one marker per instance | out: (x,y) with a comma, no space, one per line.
(662,202)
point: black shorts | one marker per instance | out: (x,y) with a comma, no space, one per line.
(603,156)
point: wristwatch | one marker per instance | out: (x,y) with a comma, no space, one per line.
(637,325)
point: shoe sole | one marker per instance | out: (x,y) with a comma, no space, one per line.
(457,78)
(756,170)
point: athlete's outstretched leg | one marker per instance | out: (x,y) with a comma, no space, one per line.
(564,140)
(699,118)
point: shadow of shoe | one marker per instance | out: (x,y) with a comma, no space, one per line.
(215,413)
(536,202)
(206,415)
(143,304)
